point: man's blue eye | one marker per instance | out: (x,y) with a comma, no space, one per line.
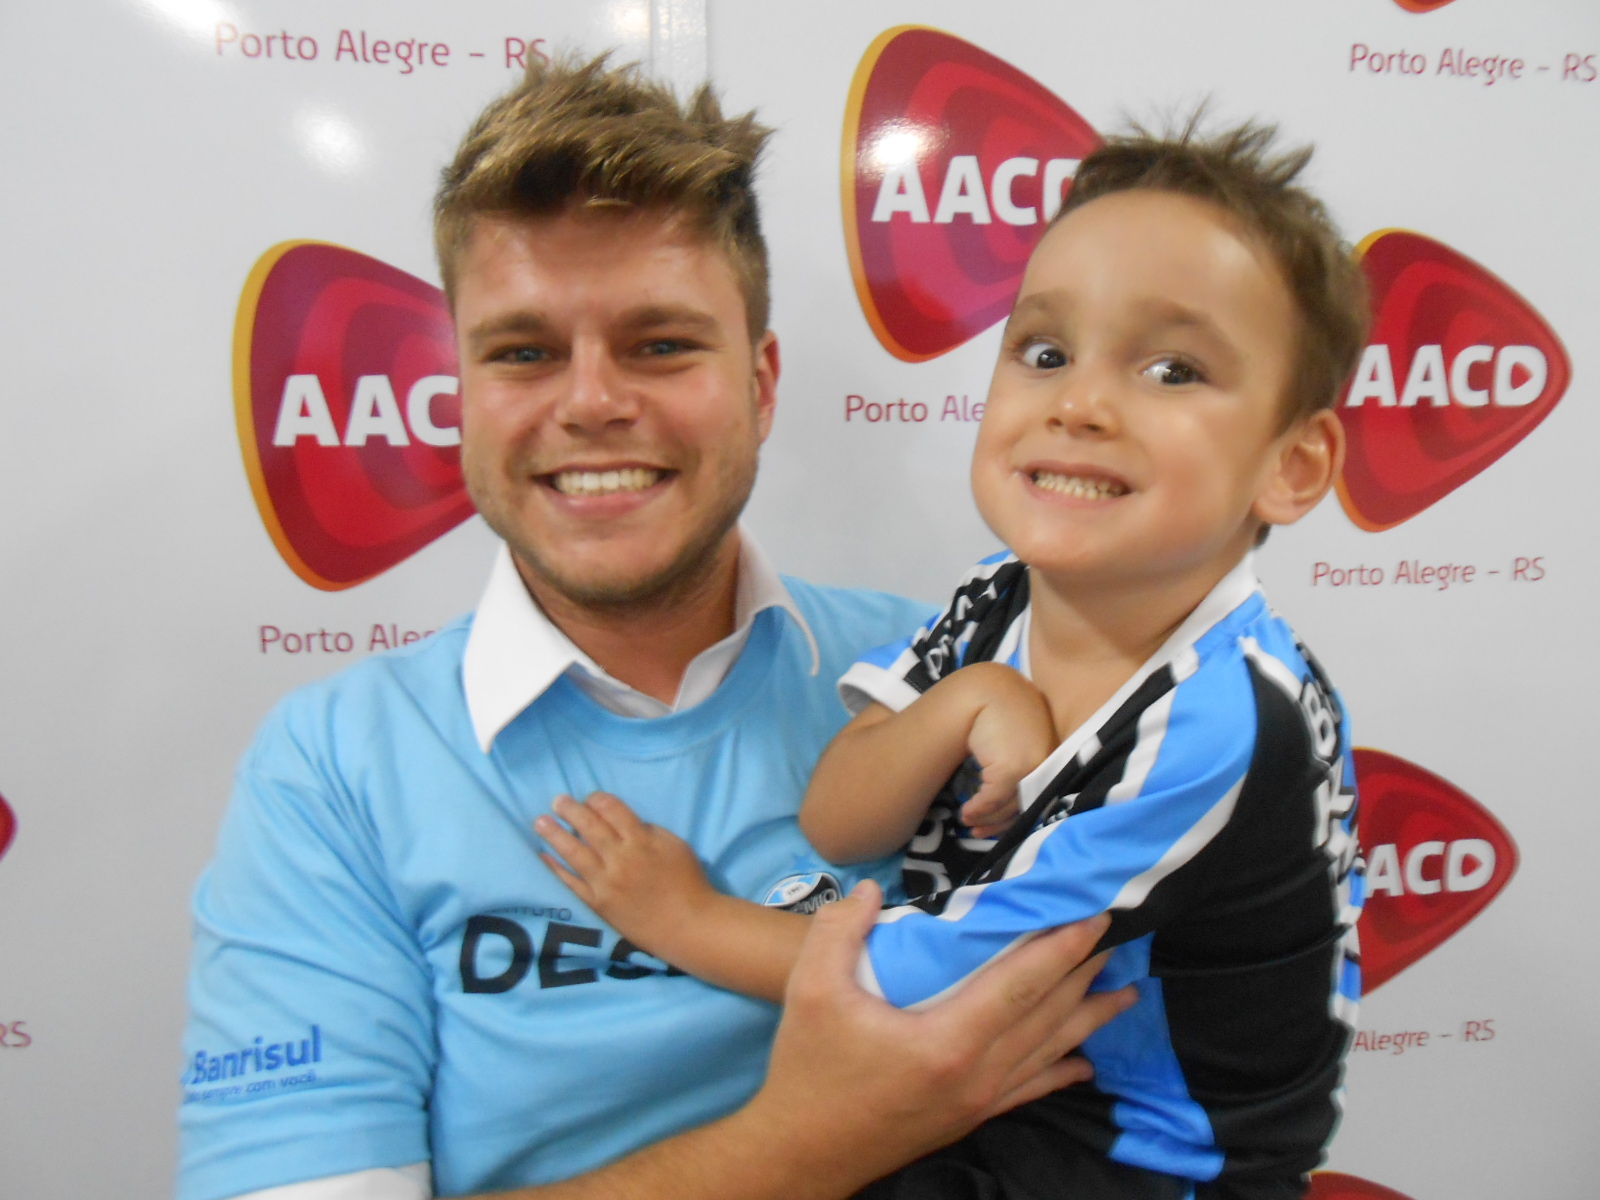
(526,354)
(1043,356)
(664,346)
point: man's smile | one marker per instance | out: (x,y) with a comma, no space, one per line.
(606,482)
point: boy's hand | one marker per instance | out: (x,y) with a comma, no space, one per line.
(1011,735)
(643,880)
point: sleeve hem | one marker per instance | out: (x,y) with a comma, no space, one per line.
(864,684)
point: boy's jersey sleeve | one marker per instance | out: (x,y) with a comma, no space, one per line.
(310,998)
(895,674)
(1135,844)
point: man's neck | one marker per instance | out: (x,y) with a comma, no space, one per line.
(649,645)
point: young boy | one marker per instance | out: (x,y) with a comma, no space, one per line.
(1164,394)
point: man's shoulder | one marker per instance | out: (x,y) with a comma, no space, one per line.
(859,615)
(386,691)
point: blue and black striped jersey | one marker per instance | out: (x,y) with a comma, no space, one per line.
(1210,808)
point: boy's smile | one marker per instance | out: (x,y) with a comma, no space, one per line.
(1135,424)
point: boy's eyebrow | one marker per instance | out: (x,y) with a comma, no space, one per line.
(1044,304)
(1167,316)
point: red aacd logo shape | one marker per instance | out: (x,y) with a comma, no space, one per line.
(954,162)
(1459,370)
(1421,6)
(346,395)
(1330,1185)
(8,826)
(1435,859)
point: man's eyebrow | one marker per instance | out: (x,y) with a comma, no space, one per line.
(528,323)
(679,316)
(522,322)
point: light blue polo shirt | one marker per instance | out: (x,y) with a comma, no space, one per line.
(385,972)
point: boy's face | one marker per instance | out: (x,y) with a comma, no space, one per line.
(1133,429)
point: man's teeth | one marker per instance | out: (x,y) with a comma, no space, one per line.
(604,483)
(1077,486)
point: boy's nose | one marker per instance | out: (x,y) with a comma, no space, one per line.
(1086,405)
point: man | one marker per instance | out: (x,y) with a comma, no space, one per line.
(391,992)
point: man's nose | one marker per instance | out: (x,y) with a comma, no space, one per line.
(597,394)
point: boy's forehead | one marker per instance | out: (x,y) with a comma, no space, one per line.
(1172,256)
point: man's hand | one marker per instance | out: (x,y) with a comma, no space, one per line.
(858,1088)
(643,880)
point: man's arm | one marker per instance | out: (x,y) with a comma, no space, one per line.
(857,1088)
(874,782)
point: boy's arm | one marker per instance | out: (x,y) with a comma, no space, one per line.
(872,787)
(646,882)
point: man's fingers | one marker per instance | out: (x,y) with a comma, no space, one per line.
(1064,1072)
(1020,1002)
(833,943)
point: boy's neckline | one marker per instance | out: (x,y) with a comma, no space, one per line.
(1232,590)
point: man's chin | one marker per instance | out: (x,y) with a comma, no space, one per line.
(612,592)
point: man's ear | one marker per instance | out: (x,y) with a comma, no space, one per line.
(1307,461)
(767,367)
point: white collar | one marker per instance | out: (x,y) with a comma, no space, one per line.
(515,652)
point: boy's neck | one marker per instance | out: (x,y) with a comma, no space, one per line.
(1087,639)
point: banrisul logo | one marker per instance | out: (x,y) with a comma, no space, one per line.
(1459,369)
(1331,1185)
(1436,858)
(954,162)
(258,1067)
(8,826)
(347,399)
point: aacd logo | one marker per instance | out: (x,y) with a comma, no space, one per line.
(1421,6)
(1330,1185)
(347,401)
(1459,370)
(954,162)
(8,826)
(1435,859)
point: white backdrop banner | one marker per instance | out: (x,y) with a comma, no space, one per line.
(230,464)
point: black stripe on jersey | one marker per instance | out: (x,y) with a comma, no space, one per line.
(981,610)
(1081,786)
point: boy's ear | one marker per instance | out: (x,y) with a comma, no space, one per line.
(1308,457)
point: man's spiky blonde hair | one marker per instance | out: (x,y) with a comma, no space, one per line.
(590,135)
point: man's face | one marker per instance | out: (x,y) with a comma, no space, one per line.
(1134,423)
(612,404)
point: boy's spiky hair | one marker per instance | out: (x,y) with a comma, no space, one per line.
(1239,171)
(597,136)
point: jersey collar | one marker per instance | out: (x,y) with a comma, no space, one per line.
(515,652)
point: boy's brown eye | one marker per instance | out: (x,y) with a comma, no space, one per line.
(1172,372)
(1043,356)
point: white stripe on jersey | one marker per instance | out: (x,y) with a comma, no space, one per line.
(1273,667)
(1146,748)
(1195,838)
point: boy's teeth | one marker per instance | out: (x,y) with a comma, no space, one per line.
(604,483)
(1077,486)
